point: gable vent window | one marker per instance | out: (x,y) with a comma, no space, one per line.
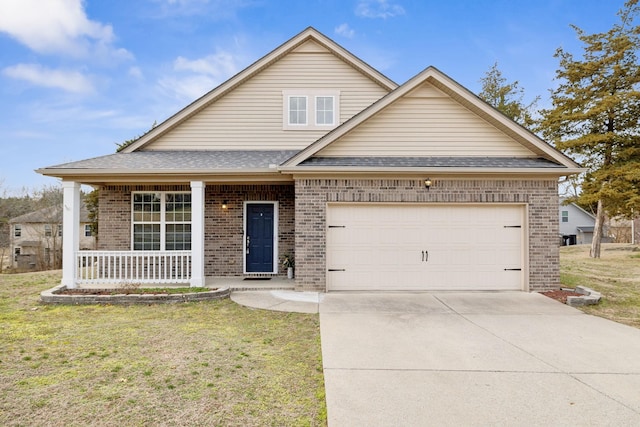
(308,109)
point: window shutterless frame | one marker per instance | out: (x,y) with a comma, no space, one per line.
(156,223)
(320,109)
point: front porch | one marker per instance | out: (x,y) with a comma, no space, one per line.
(203,241)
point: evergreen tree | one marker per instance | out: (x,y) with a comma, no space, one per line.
(506,97)
(594,116)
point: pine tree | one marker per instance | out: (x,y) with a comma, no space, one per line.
(506,97)
(595,115)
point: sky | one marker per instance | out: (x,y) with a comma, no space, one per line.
(77,77)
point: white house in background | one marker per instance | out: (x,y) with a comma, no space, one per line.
(36,238)
(576,225)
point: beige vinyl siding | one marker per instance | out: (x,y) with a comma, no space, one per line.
(426,122)
(251,115)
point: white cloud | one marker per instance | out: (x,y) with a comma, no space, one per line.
(57,26)
(136,72)
(70,81)
(194,78)
(378,9)
(345,31)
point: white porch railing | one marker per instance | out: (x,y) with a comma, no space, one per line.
(132,267)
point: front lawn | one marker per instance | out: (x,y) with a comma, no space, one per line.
(205,363)
(616,275)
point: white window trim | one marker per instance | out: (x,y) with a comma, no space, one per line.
(87,228)
(275,235)
(311,95)
(163,222)
(17,230)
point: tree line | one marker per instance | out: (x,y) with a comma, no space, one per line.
(593,116)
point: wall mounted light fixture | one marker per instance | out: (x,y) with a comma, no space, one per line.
(225,204)
(427,183)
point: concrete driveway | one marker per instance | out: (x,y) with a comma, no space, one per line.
(459,359)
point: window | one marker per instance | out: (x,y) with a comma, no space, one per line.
(297,110)
(47,255)
(59,230)
(87,230)
(310,109)
(161,221)
(565,216)
(17,232)
(47,230)
(324,110)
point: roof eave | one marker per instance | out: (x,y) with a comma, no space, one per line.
(299,170)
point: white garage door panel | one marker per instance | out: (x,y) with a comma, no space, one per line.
(420,247)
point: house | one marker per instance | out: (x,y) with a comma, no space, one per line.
(310,152)
(576,224)
(36,238)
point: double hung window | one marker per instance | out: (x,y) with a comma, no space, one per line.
(310,109)
(161,221)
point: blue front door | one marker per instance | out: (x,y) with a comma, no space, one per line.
(259,238)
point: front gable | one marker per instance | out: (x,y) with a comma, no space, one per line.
(426,122)
(431,122)
(246,112)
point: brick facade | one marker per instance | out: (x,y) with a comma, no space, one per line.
(223,227)
(541,197)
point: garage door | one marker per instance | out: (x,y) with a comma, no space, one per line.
(424,247)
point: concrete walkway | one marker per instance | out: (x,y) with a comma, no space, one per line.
(460,359)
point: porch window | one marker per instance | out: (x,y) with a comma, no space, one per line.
(161,221)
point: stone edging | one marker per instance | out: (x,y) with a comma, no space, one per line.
(589,297)
(51,296)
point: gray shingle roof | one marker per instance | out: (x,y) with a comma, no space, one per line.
(183,160)
(433,162)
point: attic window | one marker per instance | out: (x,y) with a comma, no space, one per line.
(310,109)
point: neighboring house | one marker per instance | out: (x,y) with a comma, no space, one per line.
(36,238)
(576,225)
(311,152)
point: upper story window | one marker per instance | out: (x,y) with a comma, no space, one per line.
(310,109)
(565,216)
(87,230)
(297,110)
(47,230)
(59,230)
(17,230)
(324,110)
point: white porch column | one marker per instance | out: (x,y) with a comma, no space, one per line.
(197,233)
(70,231)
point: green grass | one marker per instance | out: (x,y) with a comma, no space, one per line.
(616,274)
(205,363)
